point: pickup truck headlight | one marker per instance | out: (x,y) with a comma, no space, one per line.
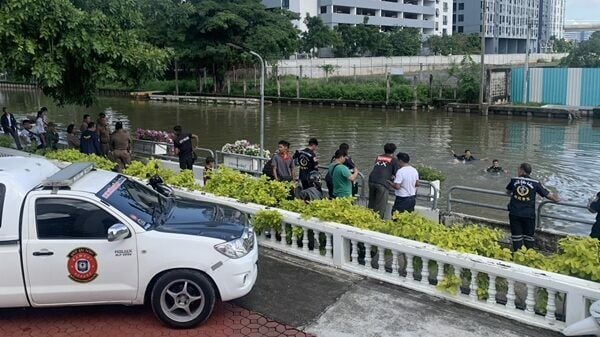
(239,247)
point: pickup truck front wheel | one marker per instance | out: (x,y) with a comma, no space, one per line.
(183,298)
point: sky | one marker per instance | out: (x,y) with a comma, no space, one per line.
(583,10)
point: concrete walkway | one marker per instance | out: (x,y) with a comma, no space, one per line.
(292,297)
(329,303)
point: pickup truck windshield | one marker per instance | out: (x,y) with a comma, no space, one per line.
(140,203)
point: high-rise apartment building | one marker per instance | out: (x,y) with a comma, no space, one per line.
(429,16)
(552,23)
(508,22)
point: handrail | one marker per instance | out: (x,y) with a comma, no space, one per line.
(541,215)
(474,203)
(539,210)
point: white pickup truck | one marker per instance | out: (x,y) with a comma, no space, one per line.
(80,236)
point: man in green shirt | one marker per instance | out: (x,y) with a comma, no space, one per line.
(342,176)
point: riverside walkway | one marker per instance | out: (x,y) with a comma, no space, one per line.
(292,297)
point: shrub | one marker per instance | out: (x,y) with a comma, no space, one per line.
(74,156)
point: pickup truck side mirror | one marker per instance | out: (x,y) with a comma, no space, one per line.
(118,232)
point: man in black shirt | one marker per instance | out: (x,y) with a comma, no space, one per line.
(9,126)
(307,162)
(495,168)
(521,209)
(184,148)
(383,172)
(465,158)
(594,207)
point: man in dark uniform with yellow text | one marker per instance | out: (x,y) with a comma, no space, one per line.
(521,209)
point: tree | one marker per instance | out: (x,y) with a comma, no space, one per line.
(165,25)
(405,41)
(585,55)
(318,35)
(561,45)
(214,23)
(70,47)
(361,40)
(456,44)
(469,81)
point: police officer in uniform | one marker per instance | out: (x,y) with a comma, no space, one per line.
(120,143)
(521,209)
(184,148)
(307,162)
(103,133)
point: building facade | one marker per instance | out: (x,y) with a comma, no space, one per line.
(429,16)
(508,22)
(552,23)
(300,7)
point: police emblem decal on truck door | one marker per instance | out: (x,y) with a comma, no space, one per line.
(82,265)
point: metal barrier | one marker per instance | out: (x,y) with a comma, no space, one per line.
(241,162)
(541,215)
(474,203)
(161,150)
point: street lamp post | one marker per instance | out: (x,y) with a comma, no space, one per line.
(262,94)
(483,34)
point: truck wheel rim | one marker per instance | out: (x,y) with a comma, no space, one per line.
(182,300)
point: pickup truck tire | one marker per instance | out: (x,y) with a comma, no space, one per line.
(182,299)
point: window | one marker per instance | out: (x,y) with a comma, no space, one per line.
(2,193)
(61,218)
(323,9)
(461,18)
(285,4)
(461,29)
(142,204)
(461,6)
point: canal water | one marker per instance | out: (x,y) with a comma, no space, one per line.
(565,155)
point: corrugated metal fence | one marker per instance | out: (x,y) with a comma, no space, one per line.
(564,86)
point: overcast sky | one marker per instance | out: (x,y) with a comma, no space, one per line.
(583,10)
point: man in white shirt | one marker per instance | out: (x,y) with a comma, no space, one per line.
(405,184)
(28,136)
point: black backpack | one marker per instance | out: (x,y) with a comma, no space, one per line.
(268,169)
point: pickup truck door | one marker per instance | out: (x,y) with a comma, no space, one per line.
(68,257)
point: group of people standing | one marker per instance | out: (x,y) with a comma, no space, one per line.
(390,173)
(37,132)
(97,138)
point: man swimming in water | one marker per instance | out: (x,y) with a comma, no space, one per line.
(467,157)
(495,168)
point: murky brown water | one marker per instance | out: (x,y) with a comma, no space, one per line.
(565,155)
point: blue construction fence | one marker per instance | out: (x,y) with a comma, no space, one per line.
(563,86)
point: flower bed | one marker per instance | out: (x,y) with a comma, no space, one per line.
(244,147)
(154,135)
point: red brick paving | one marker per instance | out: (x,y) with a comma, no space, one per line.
(227,320)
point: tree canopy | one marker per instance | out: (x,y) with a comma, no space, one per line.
(585,55)
(456,44)
(68,47)
(318,35)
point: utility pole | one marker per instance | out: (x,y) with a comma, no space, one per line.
(526,76)
(483,31)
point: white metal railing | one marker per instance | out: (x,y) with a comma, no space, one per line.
(514,291)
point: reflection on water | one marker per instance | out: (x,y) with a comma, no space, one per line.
(565,155)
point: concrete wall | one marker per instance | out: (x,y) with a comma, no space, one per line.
(363,66)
